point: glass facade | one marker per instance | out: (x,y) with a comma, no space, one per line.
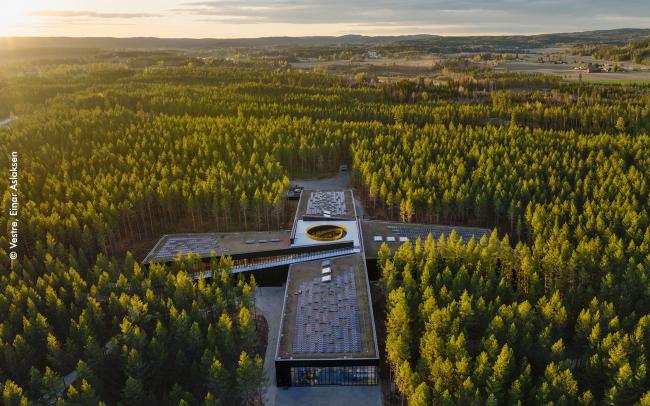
(356,375)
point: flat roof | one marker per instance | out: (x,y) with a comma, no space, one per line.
(330,203)
(327,319)
(205,244)
(302,239)
(375,232)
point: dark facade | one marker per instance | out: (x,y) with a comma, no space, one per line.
(310,372)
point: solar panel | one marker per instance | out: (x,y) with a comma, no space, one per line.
(197,244)
(327,319)
(326,203)
(412,233)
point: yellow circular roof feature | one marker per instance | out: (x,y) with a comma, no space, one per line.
(326,232)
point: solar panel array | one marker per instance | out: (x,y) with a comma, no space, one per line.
(327,316)
(331,202)
(202,245)
(412,233)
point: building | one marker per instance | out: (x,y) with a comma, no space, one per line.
(327,332)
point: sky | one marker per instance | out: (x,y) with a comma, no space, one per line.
(263,18)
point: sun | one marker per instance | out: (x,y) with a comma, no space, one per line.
(13,13)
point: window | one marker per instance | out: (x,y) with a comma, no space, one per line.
(354,375)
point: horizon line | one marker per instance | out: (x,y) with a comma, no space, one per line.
(486,34)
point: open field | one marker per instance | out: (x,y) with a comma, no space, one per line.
(387,69)
(529,63)
(645,81)
(568,72)
(420,61)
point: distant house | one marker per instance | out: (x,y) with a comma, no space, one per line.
(373,55)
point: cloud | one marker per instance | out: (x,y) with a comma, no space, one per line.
(206,18)
(493,15)
(88,14)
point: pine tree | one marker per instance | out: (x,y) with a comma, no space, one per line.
(250,378)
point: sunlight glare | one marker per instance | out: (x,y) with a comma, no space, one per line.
(11,14)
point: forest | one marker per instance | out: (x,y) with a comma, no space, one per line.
(552,309)
(634,51)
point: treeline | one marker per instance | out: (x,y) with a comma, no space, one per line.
(635,51)
(79,333)
(536,102)
(464,328)
(527,100)
(100,177)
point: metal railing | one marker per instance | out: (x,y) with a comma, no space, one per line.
(283,261)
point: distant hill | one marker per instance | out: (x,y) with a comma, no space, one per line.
(635,51)
(422,42)
(183,43)
(512,42)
